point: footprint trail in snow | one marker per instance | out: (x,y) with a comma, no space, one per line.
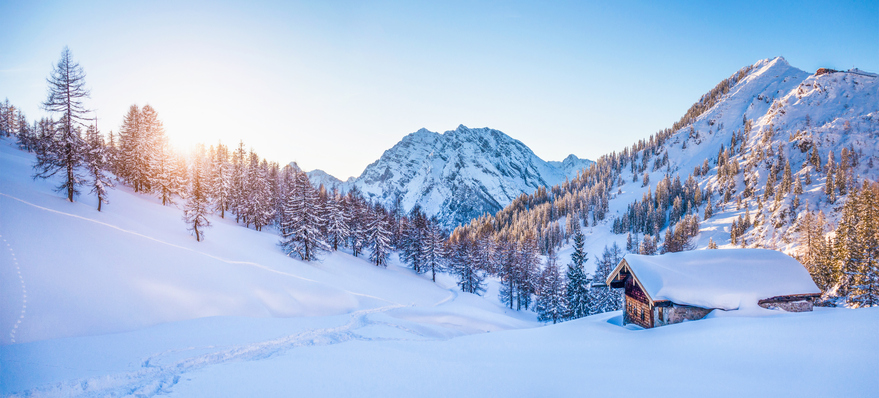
(14,331)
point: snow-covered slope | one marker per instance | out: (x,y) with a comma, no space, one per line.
(456,176)
(790,111)
(68,270)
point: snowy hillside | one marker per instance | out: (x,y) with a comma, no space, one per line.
(125,303)
(794,114)
(732,144)
(458,175)
(134,265)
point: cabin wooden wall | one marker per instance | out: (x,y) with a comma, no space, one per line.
(638,308)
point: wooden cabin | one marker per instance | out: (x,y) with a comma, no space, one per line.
(675,287)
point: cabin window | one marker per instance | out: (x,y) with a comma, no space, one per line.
(659,313)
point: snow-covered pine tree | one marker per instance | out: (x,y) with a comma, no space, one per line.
(64,150)
(221,183)
(5,130)
(551,293)
(413,242)
(435,250)
(811,243)
(486,254)
(463,266)
(167,180)
(862,271)
(247,200)
(300,232)
(262,205)
(238,193)
(378,236)
(197,207)
(526,272)
(357,213)
(26,134)
(604,298)
(96,163)
(133,160)
(153,134)
(711,243)
(112,150)
(577,289)
(506,271)
(337,221)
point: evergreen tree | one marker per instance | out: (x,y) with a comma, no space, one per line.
(709,210)
(221,184)
(96,162)
(5,130)
(603,297)
(134,151)
(436,251)
(526,272)
(357,214)
(859,251)
(470,278)
(64,152)
(551,293)
(648,246)
(378,236)
(507,271)
(786,179)
(167,179)
(577,293)
(197,207)
(262,207)
(828,183)
(413,242)
(300,231)
(337,221)
(812,245)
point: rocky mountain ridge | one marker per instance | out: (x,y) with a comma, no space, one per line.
(457,175)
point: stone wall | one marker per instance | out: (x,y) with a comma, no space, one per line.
(679,313)
(789,306)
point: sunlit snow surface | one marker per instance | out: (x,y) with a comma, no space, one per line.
(125,303)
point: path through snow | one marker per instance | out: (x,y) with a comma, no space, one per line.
(17,323)
(155,378)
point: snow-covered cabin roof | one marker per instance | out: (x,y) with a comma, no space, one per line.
(727,279)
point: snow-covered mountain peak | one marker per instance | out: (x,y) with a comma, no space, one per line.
(457,175)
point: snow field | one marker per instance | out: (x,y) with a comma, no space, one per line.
(23,290)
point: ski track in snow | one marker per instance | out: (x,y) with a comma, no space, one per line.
(453,294)
(13,332)
(247,263)
(155,379)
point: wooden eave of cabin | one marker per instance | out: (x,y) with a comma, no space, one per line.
(617,279)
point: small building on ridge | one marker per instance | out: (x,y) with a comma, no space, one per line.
(674,287)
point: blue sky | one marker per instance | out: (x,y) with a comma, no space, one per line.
(333,84)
